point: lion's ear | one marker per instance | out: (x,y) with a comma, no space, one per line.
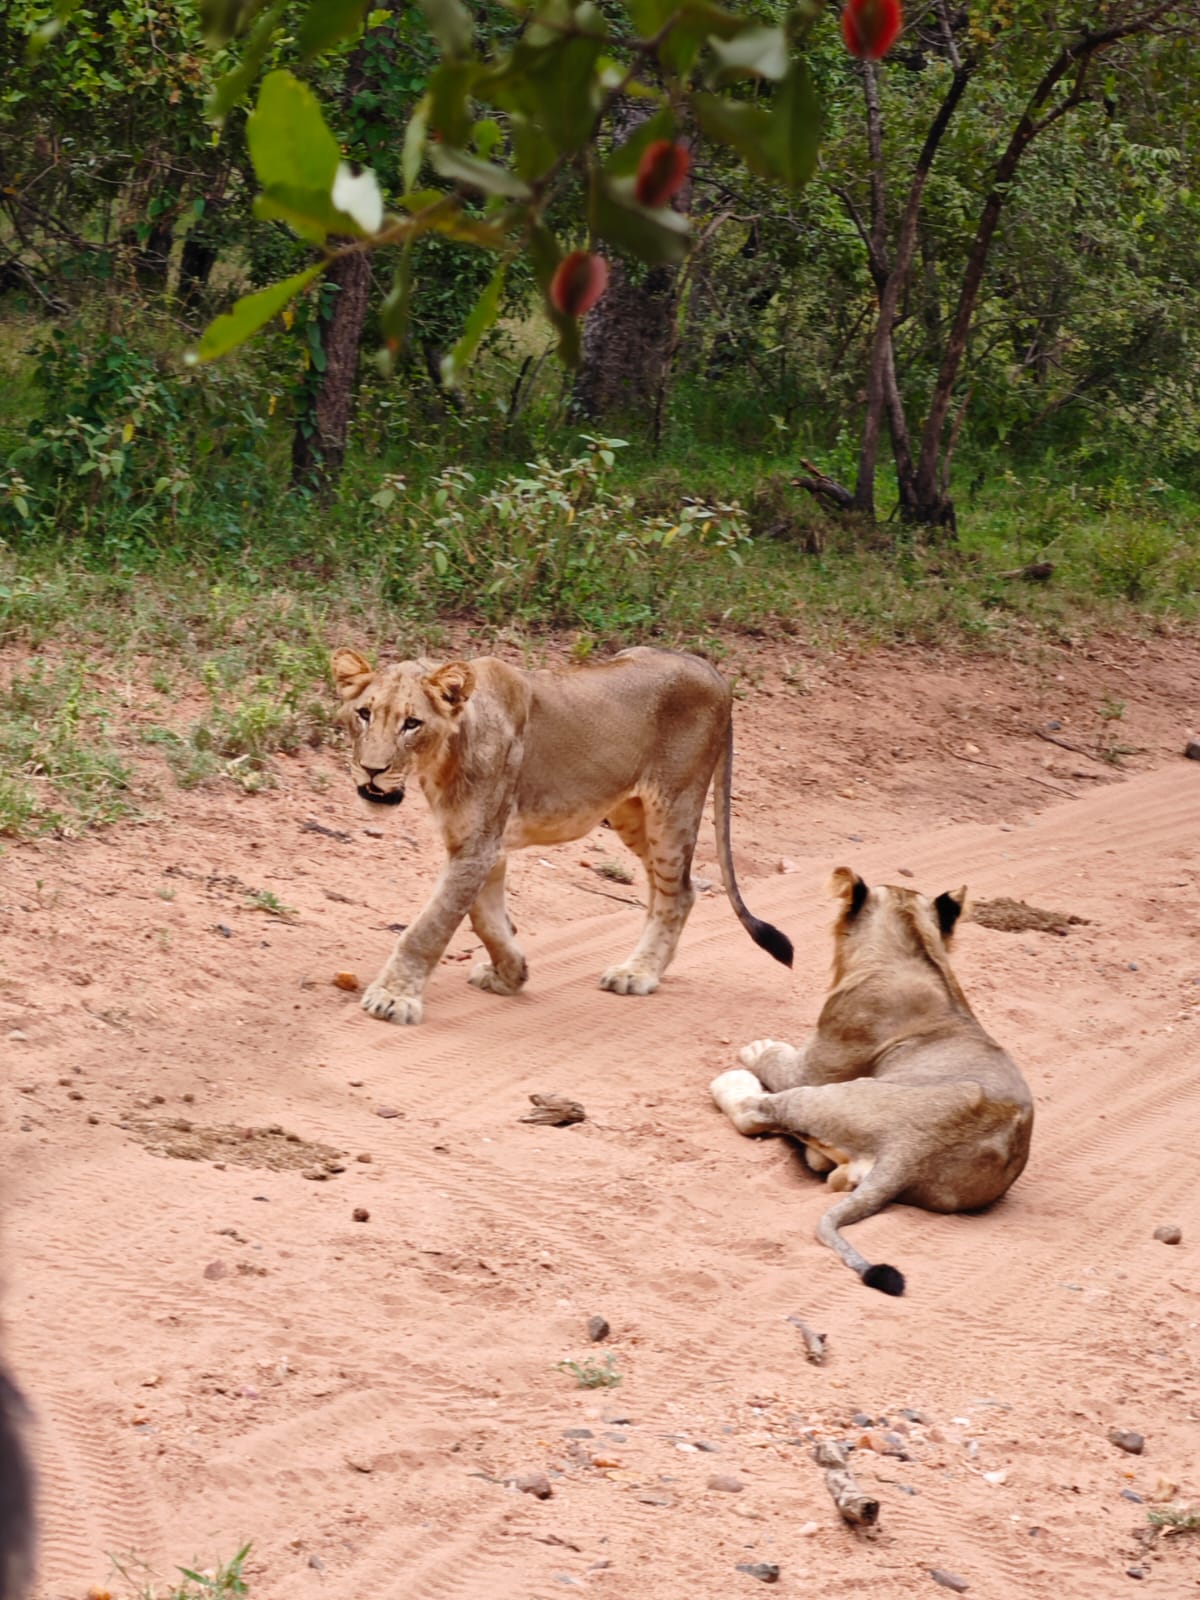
(949,907)
(848,886)
(350,672)
(450,686)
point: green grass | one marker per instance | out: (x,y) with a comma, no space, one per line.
(215,1583)
(590,1374)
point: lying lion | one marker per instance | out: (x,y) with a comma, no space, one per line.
(507,759)
(900,1094)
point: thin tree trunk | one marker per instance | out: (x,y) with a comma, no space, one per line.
(321,435)
(932,503)
(881,351)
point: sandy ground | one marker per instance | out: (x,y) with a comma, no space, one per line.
(218,1352)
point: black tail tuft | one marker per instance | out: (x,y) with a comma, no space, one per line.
(888,1280)
(769,938)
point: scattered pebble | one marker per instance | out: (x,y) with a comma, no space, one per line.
(855,838)
(725,1484)
(361,1214)
(786,864)
(1192,751)
(188,1099)
(373,833)
(1137,1572)
(316,1563)
(315,1175)
(949,1580)
(360,1464)
(1132,1443)
(1132,1494)
(655,1497)
(707,1446)
(216,1269)
(904,872)
(365,1158)
(345,980)
(598,1329)
(578,1433)
(914,1415)
(387,1111)
(224,930)
(74,1094)
(18,1037)
(93,1119)
(1168,1233)
(764,1571)
(534,1483)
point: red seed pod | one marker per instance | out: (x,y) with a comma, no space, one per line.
(871,27)
(578,282)
(661,172)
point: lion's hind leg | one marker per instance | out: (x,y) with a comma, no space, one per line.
(668,838)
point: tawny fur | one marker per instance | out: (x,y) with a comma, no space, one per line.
(507,759)
(900,1094)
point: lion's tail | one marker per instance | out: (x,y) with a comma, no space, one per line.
(764,934)
(872,1194)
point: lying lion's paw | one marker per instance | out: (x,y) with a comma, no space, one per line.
(738,1094)
(388,1007)
(751,1054)
(484,976)
(628,980)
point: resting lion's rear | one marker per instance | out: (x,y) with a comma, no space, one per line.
(900,1094)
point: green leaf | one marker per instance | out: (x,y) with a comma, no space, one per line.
(223,20)
(41,36)
(744,127)
(451,25)
(290,144)
(623,162)
(758,52)
(394,312)
(484,314)
(484,175)
(327,21)
(450,88)
(251,313)
(414,143)
(653,235)
(545,253)
(795,127)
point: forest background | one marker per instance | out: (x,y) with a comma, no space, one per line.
(907,351)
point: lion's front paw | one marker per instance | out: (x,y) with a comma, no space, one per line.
(751,1054)
(485,976)
(739,1094)
(628,980)
(388,1007)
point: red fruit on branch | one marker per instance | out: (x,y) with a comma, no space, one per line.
(578,282)
(871,27)
(661,172)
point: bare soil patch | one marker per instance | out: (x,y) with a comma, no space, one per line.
(1007,915)
(358,1375)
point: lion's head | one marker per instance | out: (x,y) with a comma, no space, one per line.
(395,716)
(891,922)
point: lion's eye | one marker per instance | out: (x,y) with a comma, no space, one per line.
(365,713)
(410,723)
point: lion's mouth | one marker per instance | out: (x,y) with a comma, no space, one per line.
(381,797)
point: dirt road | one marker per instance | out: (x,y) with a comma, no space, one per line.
(218,1352)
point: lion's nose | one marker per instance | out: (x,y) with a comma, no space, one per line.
(373,772)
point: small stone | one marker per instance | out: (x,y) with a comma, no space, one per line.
(188,1099)
(855,838)
(764,1571)
(598,1329)
(1132,1494)
(361,1214)
(18,1037)
(860,1419)
(578,1433)
(1192,751)
(1168,1233)
(387,1111)
(725,1484)
(224,930)
(345,980)
(905,872)
(1132,1443)
(75,1094)
(655,1497)
(356,1083)
(808,1530)
(93,1119)
(1137,1572)
(373,833)
(707,1446)
(786,864)
(360,1464)
(216,1269)
(949,1580)
(534,1483)
(366,1158)
(316,1563)
(315,1175)
(914,1415)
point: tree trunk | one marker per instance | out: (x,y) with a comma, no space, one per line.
(322,432)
